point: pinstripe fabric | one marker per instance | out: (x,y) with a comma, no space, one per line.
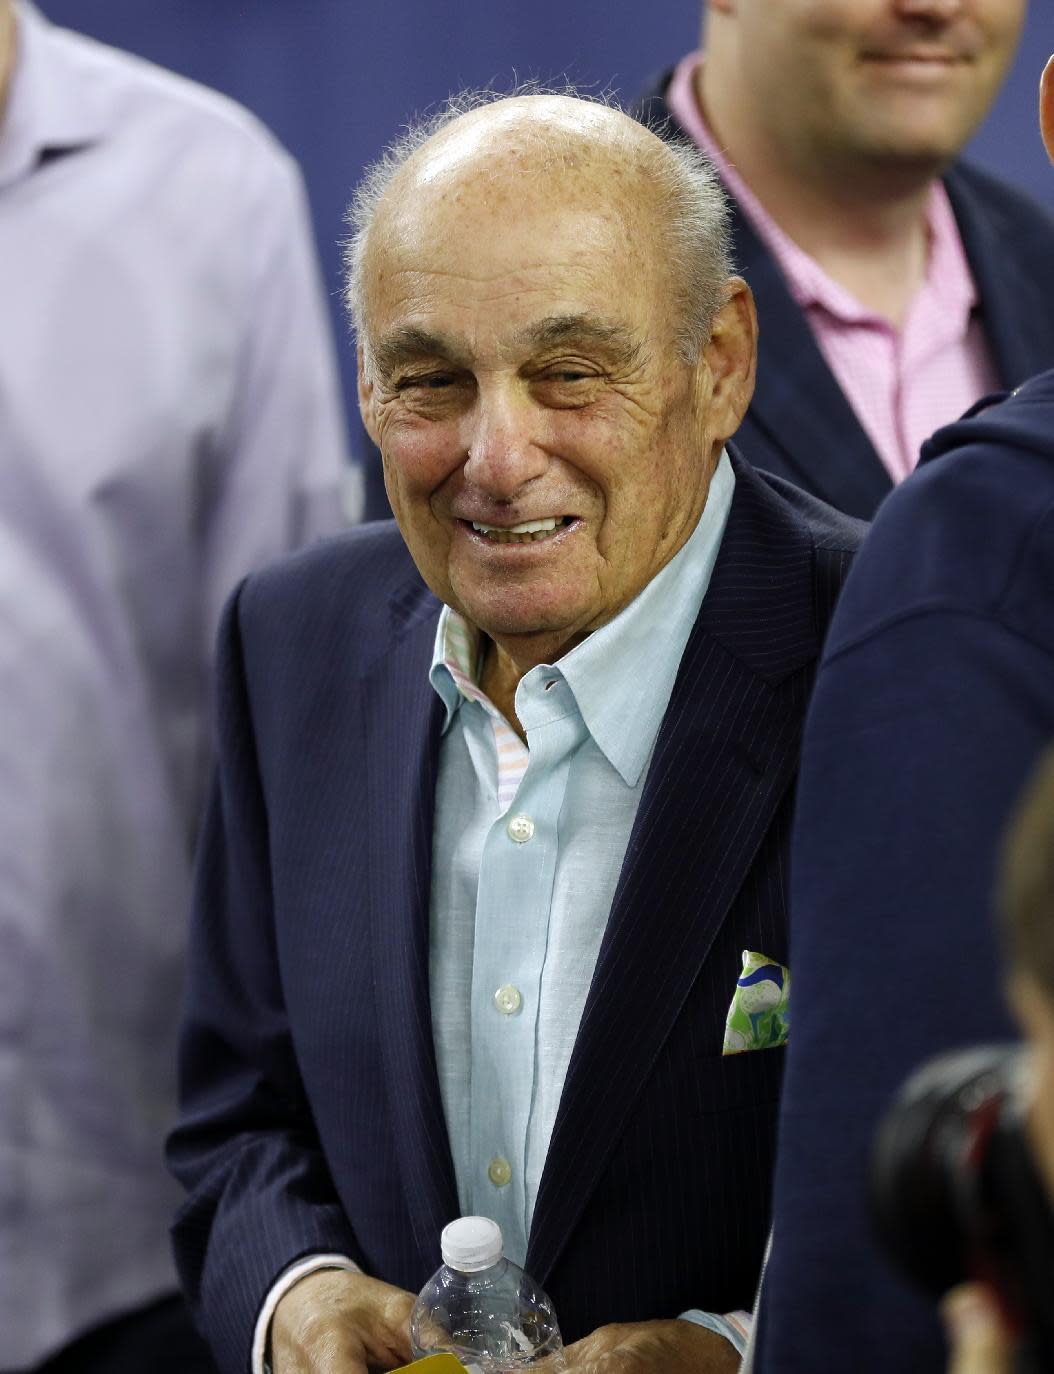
(312,1109)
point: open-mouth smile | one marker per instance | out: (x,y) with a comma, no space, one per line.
(527,532)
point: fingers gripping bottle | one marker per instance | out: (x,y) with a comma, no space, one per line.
(483,1309)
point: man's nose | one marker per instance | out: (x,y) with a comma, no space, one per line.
(501,441)
(934,10)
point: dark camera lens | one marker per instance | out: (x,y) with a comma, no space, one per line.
(925,1177)
(955,1195)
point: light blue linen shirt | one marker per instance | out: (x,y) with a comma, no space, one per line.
(518,910)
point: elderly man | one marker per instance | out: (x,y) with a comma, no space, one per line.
(895,285)
(491,833)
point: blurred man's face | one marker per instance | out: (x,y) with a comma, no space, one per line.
(883,81)
(546,450)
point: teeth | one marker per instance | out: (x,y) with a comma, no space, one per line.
(520,534)
(528,527)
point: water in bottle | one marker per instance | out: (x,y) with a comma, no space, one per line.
(484,1309)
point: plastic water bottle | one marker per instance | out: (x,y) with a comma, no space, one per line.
(483,1309)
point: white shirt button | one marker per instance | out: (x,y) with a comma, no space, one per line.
(508,1000)
(499,1171)
(520,828)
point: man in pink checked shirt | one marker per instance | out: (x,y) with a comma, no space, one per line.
(895,285)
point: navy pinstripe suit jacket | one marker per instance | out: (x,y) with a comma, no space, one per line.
(312,1116)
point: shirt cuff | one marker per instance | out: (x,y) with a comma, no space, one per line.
(281,1286)
(734,1326)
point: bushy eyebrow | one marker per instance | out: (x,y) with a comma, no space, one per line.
(410,343)
(586,329)
(406,344)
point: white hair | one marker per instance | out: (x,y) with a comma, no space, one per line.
(689,201)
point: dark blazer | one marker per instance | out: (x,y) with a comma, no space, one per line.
(800,424)
(312,1117)
(933,703)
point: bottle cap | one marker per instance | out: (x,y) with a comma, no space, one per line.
(471,1243)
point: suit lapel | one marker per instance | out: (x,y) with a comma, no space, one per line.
(725,756)
(404,717)
(1014,308)
(797,405)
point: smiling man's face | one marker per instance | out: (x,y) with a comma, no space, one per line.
(874,80)
(546,450)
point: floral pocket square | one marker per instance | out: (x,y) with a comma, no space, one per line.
(759,1015)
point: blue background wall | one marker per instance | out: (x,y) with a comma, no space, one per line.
(336,78)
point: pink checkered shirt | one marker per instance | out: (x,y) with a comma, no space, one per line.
(902,383)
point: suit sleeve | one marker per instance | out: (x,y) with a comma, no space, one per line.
(259,1192)
(918,743)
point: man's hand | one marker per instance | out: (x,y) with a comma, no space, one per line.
(979,1342)
(336,1322)
(663,1347)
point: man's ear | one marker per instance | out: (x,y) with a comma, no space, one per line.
(1046,108)
(367,405)
(731,358)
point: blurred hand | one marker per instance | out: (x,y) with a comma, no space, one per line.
(979,1342)
(336,1322)
(662,1347)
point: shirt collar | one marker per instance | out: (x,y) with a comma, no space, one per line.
(455,669)
(947,269)
(51,108)
(622,675)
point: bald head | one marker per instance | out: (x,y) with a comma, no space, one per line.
(487,157)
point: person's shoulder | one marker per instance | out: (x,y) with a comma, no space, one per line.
(825,527)
(364,579)
(991,471)
(974,522)
(373,554)
(995,464)
(135,97)
(791,548)
(781,513)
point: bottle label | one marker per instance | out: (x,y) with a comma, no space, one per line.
(437,1364)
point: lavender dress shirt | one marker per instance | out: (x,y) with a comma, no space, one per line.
(169,418)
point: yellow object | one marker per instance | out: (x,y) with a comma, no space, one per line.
(433,1364)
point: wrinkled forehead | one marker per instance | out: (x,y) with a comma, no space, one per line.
(511,216)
